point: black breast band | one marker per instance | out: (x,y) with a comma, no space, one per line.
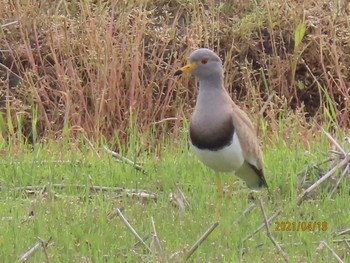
(212,139)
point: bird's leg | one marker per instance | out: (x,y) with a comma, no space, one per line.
(220,194)
(231,182)
(219,187)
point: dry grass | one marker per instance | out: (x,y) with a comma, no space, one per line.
(99,67)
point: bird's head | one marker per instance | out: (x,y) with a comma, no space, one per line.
(204,64)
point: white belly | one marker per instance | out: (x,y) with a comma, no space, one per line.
(227,159)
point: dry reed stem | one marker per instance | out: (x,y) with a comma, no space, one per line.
(177,202)
(278,211)
(109,75)
(200,240)
(128,161)
(155,241)
(344,172)
(335,241)
(140,243)
(341,240)
(92,146)
(341,155)
(42,162)
(91,183)
(9,24)
(45,245)
(305,171)
(347,243)
(335,143)
(121,252)
(341,232)
(183,197)
(268,232)
(316,165)
(30,253)
(323,178)
(332,251)
(41,190)
(132,230)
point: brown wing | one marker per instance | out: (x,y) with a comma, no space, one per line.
(249,142)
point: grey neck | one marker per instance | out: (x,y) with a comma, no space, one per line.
(212,98)
(214,81)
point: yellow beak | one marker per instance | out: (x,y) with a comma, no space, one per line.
(186,69)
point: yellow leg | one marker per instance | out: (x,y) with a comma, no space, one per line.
(220,194)
(219,187)
(231,181)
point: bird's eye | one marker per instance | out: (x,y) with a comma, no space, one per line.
(204,61)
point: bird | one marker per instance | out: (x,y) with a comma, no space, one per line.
(221,134)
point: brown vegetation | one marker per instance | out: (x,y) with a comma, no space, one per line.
(96,67)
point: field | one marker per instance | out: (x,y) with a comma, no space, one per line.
(74,218)
(79,76)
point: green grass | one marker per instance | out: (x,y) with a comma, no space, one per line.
(90,69)
(76,219)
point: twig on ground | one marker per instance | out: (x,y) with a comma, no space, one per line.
(43,190)
(41,162)
(133,247)
(341,240)
(316,165)
(92,146)
(39,189)
(128,161)
(305,171)
(240,254)
(344,172)
(156,243)
(334,152)
(333,141)
(177,202)
(341,232)
(139,242)
(246,211)
(143,195)
(268,232)
(30,252)
(92,188)
(45,245)
(113,214)
(323,178)
(132,230)
(201,239)
(183,197)
(336,241)
(332,251)
(90,180)
(263,224)
(347,243)
(178,255)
